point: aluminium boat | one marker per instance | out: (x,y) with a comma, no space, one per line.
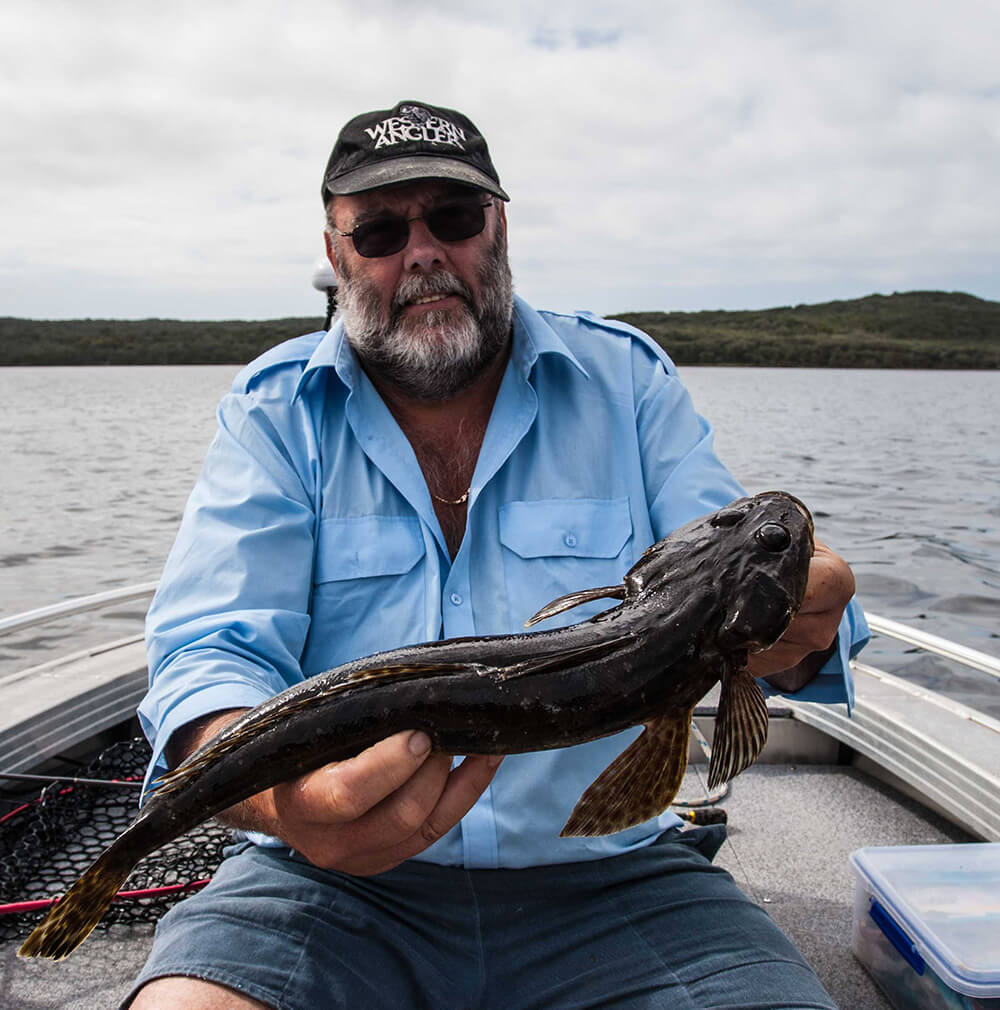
(909,766)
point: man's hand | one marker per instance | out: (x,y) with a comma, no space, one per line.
(808,641)
(369,813)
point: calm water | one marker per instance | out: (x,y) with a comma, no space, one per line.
(902,470)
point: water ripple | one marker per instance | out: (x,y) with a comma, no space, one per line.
(900,469)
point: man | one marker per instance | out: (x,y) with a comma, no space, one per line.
(443,462)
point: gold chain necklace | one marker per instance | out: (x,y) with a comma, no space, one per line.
(451,501)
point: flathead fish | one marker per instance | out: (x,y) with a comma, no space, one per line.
(691,610)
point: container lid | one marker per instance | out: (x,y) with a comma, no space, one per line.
(947,899)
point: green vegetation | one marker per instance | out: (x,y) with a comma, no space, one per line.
(142,341)
(918,329)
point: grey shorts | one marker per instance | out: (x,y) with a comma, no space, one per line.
(655,928)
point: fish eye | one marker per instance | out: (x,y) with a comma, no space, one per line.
(773,537)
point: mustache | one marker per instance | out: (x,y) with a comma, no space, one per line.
(420,285)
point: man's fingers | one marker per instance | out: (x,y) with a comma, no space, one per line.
(430,804)
(401,814)
(814,628)
(369,813)
(811,632)
(346,790)
(466,784)
(808,633)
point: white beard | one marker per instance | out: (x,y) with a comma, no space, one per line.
(435,354)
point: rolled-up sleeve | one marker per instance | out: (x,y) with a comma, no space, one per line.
(685,479)
(229,621)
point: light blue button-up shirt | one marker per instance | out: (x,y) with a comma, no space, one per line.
(310,539)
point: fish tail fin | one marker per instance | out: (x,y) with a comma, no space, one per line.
(70,921)
(638,784)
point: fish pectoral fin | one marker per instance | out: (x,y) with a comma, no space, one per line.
(571,600)
(740,727)
(560,660)
(638,784)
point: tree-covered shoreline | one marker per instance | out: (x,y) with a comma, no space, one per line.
(916,329)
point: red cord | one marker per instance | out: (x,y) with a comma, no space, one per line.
(24,806)
(150,892)
(41,903)
(10,813)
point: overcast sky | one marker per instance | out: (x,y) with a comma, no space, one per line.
(165,159)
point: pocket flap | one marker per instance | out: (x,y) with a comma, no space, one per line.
(566,527)
(359,547)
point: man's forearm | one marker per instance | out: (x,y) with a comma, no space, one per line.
(186,740)
(252,814)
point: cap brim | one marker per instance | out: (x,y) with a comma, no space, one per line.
(410,170)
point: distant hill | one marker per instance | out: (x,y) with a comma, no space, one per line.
(916,329)
(142,341)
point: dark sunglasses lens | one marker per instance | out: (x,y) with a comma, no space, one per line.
(382,237)
(449,222)
(452,222)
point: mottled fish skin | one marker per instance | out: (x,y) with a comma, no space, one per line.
(691,609)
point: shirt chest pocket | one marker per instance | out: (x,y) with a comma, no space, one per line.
(368,588)
(556,546)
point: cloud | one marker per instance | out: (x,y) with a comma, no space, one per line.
(165,160)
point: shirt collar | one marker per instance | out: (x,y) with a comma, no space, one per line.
(333,351)
(533,337)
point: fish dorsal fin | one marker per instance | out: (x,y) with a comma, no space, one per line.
(560,660)
(638,784)
(417,669)
(571,600)
(740,727)
(237,733)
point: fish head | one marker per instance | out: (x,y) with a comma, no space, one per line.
(767,574)
(750,559)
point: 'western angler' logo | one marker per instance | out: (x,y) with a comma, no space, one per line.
(416,123)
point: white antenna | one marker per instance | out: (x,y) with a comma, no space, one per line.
(323,276)
(325,280)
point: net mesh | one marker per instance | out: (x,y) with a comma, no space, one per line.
(47,843)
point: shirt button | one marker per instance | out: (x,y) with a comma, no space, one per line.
(570,540)
(456,599)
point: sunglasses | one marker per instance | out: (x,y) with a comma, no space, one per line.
(451,221)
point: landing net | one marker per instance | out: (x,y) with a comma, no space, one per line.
(47,842)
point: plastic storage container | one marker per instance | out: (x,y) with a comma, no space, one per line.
(927,924)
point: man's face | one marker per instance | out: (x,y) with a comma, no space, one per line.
(434,315)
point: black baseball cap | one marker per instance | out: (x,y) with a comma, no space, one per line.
(409,142)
